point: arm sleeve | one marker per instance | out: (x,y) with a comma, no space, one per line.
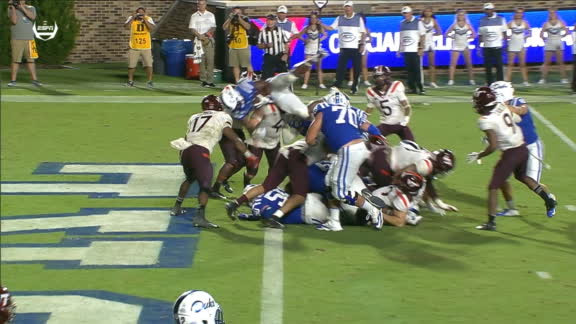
(212,21)
(400,91)
(151,21)
(484,124)
(127,20)
(192,21)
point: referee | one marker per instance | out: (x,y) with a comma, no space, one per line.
(274,42)
(492,33)
(412,34)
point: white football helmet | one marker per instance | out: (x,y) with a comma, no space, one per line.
(231,98)
(337,97)
(503,91)
(197,307)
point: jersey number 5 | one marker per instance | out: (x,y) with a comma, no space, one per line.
(387,111)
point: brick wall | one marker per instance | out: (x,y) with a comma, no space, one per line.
(102,36)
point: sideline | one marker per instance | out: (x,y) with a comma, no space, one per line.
(554,129)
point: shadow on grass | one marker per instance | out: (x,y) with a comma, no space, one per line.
(49,91)
(459,195)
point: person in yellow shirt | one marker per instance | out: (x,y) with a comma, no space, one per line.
(237,26)
(140,26)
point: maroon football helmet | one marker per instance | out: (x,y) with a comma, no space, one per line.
(211,102)
(410,182)
(444,161)
(7,305)
(381,76)
(484,100)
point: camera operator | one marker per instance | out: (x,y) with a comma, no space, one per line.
(22,18)
(203,24)
(239,55)
(140,44)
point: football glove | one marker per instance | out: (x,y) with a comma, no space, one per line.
(445,206)
(435,209)
(472,157)
(405,121)
(252,160)
(349,199)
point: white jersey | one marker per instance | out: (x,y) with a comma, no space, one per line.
(314,153)
(409,153)
(429,35)
(517,36)
(393,198)
(461,34)
(503,122)
(267,134)
(284,97)
(205,128)
(391,111)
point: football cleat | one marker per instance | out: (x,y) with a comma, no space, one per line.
(273,222)
(487,227)
(200,221)
(12,83)
(508,212)
(227,187)
(231,209)
(217,195)
(373,200)
(177,211)
(330,226)
(551,206)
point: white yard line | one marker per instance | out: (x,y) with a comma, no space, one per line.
(571,207)
(543,275)
(272,299)
(554,129)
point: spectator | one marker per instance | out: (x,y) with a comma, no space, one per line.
(351,31)
(287,25)
(412,33)
(461,32)
(519,30)
(22,18)
(432,28)
(364,59)
(274,42)
(239,55)
(315,34)
(552,32)
(492,33)
(140,44)
(203,25)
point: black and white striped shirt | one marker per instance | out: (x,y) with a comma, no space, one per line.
(275,36)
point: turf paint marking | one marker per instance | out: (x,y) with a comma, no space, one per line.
(554,129)
(571,207)
(272,278)
(543,275)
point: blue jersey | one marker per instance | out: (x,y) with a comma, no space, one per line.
(266,204)
(317,175)
(340,124)
(526,124)
(248,92)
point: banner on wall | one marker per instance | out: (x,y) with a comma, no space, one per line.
(385,39)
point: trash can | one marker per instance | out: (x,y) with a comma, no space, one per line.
(175,56)
(188,45)
(192,69)
(158,64)
(217,76)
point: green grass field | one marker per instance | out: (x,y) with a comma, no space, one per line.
(441,271)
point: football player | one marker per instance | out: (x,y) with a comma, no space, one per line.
(196,306)
(7,305)
(390,99)
(265,125)
(343,129)
(205,129)
(386,163)
(498,122)
(399,196)
(505,94)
